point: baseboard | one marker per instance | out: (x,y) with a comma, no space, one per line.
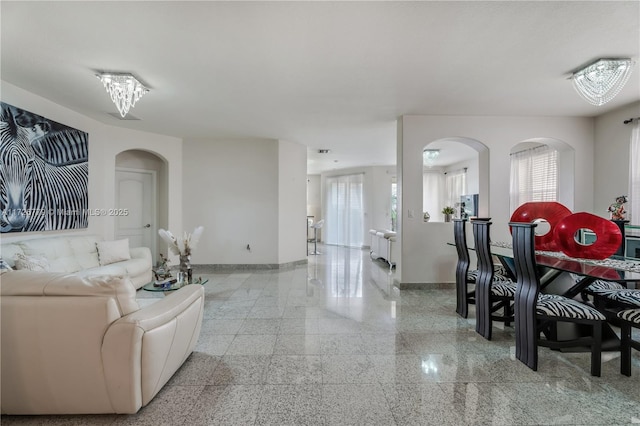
(218,267)
(425,286)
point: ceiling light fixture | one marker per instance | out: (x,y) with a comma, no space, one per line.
(601,81)
(429,156)
(125,90)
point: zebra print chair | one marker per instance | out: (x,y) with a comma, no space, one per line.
(464,275)
(610,301)
(628,318)
(597,286)
(536,314)
(492,292)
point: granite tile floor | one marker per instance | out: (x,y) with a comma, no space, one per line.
(334,343)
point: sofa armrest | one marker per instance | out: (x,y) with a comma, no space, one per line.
(141,351)
(141,253)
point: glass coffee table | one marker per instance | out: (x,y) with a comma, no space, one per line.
(173,287)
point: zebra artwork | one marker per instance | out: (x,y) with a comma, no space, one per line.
(44,171)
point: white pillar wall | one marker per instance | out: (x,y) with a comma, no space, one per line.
(425,255)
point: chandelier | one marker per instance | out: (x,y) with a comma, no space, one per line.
(429,156)
(125,90)
(601,81)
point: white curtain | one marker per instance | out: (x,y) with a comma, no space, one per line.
(634,176)
(433,193)
(456,185)
(345,212)
(534,176)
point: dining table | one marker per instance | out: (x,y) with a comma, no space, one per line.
(615,268)
(585,271)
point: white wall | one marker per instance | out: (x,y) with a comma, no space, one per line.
(292,193)
(425,257)
(105,142)
(611,165)
(231,188)
(238,189)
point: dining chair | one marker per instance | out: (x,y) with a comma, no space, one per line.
(623,298)
(492,293)
(464,275)
(628,318)
(537,313)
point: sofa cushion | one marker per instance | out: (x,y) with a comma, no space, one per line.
(30,283)
(85,250)
(31,263)
(57,250)
(133,267)
(113,251)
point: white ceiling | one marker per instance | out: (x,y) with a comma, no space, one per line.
(331,75)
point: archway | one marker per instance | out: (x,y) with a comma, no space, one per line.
(455,174)
(141,191)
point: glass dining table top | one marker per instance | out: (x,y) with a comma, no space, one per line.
(614,268)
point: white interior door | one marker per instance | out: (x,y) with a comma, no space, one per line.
(136,200)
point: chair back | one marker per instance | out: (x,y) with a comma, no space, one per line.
(527,290)
(485,276)
(462,267)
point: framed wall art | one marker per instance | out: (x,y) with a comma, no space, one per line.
(44,172)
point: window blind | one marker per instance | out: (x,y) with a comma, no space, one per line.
(534,176)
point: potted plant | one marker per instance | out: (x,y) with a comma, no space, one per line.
(448,211)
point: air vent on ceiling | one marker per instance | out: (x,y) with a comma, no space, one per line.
(127,117)
(324,151)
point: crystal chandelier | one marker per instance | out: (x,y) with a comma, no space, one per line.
(125,90)
(601,81)
(429,156)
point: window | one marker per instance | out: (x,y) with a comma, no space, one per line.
(634,176)
(534,176)
(455,183)
(345,210)
(433,199)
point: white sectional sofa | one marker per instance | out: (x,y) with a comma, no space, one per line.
(383,245)
(84,255)
(82,345)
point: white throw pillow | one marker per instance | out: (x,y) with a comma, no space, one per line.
(36,263)
(113,251)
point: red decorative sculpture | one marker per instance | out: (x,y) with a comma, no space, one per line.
(608,236)
(550,211)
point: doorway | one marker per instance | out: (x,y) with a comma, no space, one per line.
(136,199)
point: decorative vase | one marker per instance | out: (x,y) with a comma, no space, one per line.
(447,218)
(185,266)
(426,216)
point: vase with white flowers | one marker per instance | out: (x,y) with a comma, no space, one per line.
(182,247)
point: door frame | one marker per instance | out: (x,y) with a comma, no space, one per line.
(154,203)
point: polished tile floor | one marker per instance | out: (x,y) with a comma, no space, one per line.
(334,343)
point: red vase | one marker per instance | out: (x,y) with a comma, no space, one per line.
(608,236)
(551,211)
